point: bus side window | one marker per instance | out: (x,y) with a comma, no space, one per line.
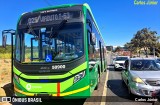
(92,37)
(91,48)
(89,31)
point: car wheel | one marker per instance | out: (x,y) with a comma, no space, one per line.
(131,96)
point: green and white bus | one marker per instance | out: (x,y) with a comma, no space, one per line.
(59,51)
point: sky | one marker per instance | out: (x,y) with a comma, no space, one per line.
(118,20)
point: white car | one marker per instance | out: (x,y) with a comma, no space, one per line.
(119,62)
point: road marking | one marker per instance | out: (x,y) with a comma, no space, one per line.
(105,89)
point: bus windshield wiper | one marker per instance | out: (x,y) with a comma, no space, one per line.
(57,29)
(31,30)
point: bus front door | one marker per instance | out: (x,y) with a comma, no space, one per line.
(34,49)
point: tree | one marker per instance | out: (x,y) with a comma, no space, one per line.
(157,50)
(129,46)
(117,49)
(132,46)
(143,39)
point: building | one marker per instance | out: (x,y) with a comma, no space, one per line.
(109,48)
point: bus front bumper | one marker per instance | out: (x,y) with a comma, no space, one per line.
(51,94)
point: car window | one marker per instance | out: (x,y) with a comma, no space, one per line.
(158,61)
(143,65)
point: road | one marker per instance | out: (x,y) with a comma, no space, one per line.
(117,92)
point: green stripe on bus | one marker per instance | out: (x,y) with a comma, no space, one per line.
(75,70)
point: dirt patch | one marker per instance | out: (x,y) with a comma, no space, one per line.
(5,77)
(5,71)
(5,103)
(2,92)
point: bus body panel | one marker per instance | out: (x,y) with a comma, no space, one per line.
(65,88)
(80,68)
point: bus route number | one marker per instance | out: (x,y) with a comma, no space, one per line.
(49,18)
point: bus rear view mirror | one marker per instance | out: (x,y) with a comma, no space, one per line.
(4,40)
(92,38)
(4,36)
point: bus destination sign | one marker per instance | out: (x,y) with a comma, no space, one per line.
(36,18)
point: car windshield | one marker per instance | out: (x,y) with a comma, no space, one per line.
(143,65)
(121,58)
(157,60)
(45,44)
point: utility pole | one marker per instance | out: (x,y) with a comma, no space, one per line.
(12,32)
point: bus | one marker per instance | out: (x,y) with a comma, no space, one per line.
(59,51)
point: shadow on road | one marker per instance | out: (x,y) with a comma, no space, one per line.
(8,90)
(118,88)
(111,68)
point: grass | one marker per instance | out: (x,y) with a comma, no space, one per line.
(8,55)
(5,55)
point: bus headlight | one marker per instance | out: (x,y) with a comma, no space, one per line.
(16,78)
(79,76)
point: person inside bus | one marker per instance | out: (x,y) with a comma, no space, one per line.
(78,51)
(60,53)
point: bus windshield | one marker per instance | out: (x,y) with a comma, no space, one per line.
(50,44)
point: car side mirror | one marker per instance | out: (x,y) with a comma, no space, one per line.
(126,64)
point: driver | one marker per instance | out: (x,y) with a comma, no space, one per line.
(78,51)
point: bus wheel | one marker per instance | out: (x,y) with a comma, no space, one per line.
(98,81)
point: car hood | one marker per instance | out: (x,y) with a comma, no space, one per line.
(146,74)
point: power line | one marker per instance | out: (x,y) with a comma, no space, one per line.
(48,3)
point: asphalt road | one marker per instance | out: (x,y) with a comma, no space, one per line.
(117,92)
